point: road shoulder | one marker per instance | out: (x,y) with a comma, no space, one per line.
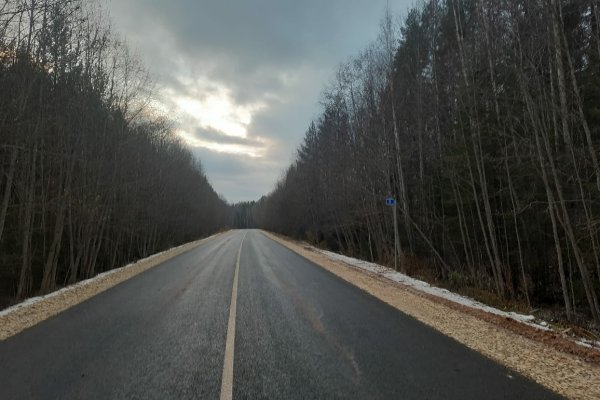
(567,374)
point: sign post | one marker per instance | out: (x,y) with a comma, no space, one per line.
(392,203)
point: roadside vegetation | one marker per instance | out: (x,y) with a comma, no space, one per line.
(91,177)
(482,118)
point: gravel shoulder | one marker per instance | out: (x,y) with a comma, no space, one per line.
(562,366)
(37,309)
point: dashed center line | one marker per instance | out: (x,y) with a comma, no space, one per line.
(227,379)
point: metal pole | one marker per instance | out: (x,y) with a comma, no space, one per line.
(395,239)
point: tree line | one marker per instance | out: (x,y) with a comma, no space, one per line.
(91,178)
(242,215)
(482,118)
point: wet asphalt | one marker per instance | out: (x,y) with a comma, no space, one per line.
(301,333)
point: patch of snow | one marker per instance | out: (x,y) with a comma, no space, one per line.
(588,343)
(433,290)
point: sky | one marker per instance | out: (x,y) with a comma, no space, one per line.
(242,79)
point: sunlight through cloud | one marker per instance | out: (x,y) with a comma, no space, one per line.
(218,111)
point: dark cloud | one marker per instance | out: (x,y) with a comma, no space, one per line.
(258,33)
(213,136)
(272,52)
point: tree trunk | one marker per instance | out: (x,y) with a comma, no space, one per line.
(24,284)
(8,189)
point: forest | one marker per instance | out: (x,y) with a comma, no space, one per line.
(482,119)
(91,175)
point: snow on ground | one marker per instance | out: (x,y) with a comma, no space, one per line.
(433,290)
(588,343)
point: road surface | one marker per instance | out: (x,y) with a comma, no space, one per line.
(296,332)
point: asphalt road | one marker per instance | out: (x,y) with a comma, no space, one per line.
(299,333)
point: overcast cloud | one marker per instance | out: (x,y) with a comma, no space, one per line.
(243,78)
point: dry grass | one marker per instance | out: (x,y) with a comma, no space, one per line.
(31,313)
(564,373)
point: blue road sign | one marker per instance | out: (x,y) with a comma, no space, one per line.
(390,202)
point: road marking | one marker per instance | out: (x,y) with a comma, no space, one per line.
(227,379)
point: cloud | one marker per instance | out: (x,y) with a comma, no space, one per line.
(238,177)
(243,78)
(223,143)
(214,136)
